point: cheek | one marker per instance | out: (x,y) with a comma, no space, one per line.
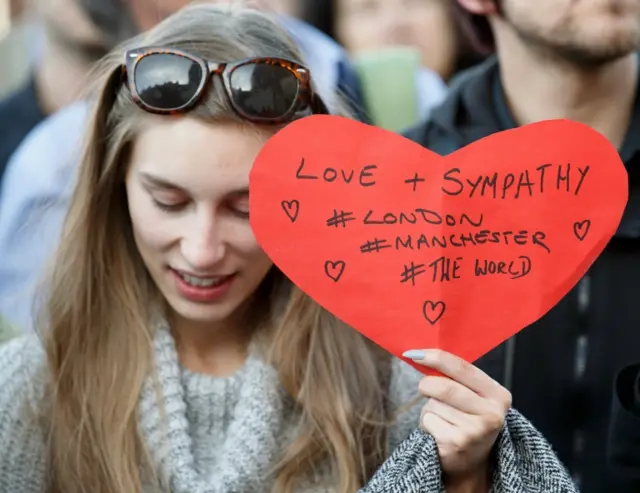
(151,228)
(358,34)
(436,36)
(245,244)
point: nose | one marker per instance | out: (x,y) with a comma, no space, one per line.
(201,245)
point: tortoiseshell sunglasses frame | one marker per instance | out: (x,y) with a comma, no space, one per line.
(305,97)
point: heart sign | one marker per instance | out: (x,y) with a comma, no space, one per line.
(416,250)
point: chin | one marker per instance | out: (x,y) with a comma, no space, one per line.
(203,312)
(601,49)
(612,34)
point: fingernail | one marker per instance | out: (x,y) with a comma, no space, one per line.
(414,354)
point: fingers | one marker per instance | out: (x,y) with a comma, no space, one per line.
(448,413)
(446,423)
(455,395)
(462,372)
(437,427)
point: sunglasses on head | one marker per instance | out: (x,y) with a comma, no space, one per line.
(261,90)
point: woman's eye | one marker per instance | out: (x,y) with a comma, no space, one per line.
(168,206)
(242,212)
(239,206)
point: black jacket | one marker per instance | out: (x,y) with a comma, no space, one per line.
(624,438)
(560,369)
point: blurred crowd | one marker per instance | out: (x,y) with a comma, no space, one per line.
(434,70)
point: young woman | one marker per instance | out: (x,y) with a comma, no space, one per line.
(176,358)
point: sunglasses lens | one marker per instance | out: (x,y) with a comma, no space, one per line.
(166,81)
(263,90)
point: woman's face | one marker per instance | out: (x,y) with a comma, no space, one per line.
(187,187)
(366,25)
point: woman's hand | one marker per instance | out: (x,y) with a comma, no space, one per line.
(464,413)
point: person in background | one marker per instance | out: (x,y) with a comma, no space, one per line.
(574,60)
(178,358)
(75,35)
(40,176)
(368,25)
(71,45)
(373,30)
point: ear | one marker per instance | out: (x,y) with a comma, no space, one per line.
(479,7)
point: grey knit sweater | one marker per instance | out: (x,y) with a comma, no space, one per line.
(226,432)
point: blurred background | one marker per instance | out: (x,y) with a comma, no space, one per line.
(15,21)
(414,43)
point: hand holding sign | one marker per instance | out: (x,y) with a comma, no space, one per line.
(415,250)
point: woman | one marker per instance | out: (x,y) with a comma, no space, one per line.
(367,25)
(177,358)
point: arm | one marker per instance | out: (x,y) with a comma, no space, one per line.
(522,461)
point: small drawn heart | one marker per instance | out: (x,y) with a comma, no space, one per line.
(581,229)
(334,270)
(433,311)
(291,209)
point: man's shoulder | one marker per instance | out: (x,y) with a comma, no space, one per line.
(418,132)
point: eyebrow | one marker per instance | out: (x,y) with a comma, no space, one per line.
(156,181)
(241,191)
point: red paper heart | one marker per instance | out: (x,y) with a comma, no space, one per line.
(381,266)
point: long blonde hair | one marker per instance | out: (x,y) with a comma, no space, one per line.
(99,298)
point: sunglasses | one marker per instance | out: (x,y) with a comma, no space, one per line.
(261,90)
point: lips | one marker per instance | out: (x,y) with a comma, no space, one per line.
(202,282)
(202,289)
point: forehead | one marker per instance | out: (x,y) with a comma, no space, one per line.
(195,155)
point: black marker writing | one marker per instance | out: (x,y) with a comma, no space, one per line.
(546,177)
(410,273)
(414,181)
(334,270)
(420,215)
(340,218)
(514,268)
(374,246)
(420,241)
(433,311)
(329,175)
(291,209)
(581,229)
(444,269)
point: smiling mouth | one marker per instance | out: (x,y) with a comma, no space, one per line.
(203,282)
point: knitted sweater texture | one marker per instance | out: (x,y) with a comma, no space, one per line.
(225,433)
